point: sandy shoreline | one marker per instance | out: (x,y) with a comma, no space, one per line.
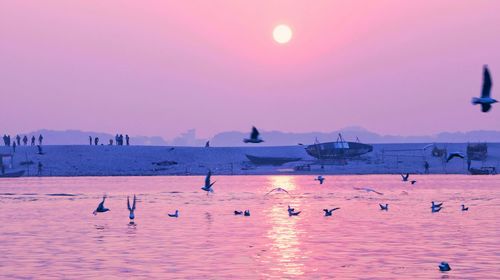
(77,160)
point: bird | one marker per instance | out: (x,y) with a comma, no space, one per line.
(384,207)
(328,212)
(465,208)
(413,182)
(454,155)
(321,179)
(444,266)
(131,209)
(278,190)
(368,190)
(236,212)
(405,177)
(100,208)
(175,215)
(436,209)
(485,100)
(247,213)
(254,137)
(291,211)
(208,185)
(434,204)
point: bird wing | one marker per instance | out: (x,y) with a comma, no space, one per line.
(133,205)
(336,208)
(255,133)
(485,107)
(128,204)
(207,178)
(487,84)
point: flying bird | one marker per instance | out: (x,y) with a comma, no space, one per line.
(384,207)
(465,208)
(485,100)
(444,266)
(321,179)
(368,190)
(247,213)
(278,190)
(131,209)
(208,185)
(454,155)
(413,182)
(100,208)
(236,212)
(328,212)
(254,137)
(175,215)
(405,177)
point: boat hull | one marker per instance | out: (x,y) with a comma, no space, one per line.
(270,160)
(338,150)
(13,174)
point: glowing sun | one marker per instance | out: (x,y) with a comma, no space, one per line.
(282,34)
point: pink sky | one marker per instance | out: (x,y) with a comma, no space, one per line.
(162,67)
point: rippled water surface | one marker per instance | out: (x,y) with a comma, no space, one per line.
(48,230)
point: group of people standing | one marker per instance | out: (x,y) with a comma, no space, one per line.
(17,141)
(117,141)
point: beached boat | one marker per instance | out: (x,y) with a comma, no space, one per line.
(486,170)
(271,160)
(339,149)
(12,174)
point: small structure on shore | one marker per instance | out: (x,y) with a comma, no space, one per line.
(337,150)
(6,166)
(276,161)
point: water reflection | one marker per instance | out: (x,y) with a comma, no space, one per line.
(283,233)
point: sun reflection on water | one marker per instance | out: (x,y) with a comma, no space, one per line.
(284,232)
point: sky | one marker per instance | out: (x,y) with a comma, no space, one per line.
(163,67)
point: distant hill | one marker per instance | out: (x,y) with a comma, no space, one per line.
(278,138)
(272,138)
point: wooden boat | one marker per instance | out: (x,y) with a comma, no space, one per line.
(271,160)
(483,171)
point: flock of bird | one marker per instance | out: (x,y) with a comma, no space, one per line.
(208,187)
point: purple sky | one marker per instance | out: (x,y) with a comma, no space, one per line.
(162,67)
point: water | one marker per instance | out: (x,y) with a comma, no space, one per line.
(48,230)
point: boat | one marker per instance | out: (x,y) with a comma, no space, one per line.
(339,149)
(485,170)
(258,160)
(12,174)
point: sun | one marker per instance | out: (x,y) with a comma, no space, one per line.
(282,34)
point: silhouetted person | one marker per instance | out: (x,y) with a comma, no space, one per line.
(33,139)
(40,139)
(111,142)
(4,137)
(40,167)
(90,140)
(127,139)
(207,144)
(96,141)
(426,166)
(469,163)
(25,140)
(8,140)
(121,139)
(18,138)
(14,146)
